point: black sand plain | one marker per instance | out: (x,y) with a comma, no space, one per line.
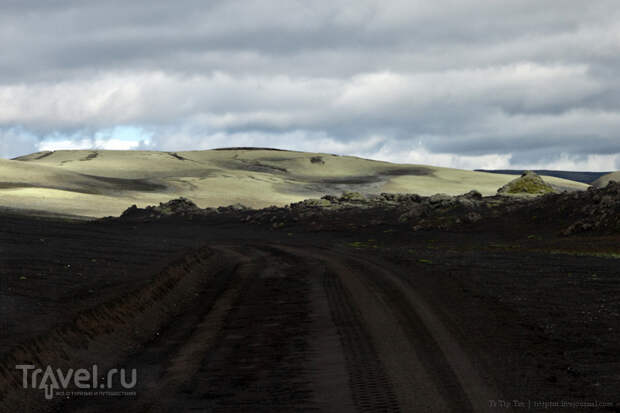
(276,311)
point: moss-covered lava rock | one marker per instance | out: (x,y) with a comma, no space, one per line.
(528,183)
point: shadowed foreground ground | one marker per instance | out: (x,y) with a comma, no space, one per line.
(217,315)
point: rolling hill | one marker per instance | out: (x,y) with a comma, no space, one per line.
(604,180)
(98,183)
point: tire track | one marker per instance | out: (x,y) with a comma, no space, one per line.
(371,388)
(172,358)
(274,328)
(458,376)
(184,362)
(259,361)
(112,330)
(425,364)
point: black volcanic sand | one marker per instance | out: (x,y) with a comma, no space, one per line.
(219,315)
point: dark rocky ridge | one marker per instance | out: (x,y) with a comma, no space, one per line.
(595,210)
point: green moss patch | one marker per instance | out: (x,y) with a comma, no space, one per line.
(528,183)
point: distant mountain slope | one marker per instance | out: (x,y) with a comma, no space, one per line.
(99,183)
(584,177)
(604,180)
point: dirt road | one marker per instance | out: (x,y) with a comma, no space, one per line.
(275,328)
(221,316)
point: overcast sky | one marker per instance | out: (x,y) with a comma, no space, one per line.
(467,84)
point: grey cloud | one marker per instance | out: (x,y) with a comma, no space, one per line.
(534,147)
(533,79)
(141,35)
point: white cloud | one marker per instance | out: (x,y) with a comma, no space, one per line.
(85,143)
(221,100)
(299,140)
(451,160)
(600,163)
(476,83)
